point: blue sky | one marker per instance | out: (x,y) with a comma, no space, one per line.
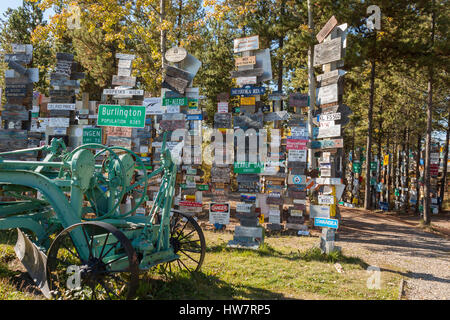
(13,4)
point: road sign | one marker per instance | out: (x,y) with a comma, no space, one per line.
(92,135)
(247,91)
(121,116)
(326,223)
(175,101)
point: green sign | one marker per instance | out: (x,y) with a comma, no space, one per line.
(373,166)
(121,116)
(200,187)
(248,167)
(92,135)
(175,101)
(356,167)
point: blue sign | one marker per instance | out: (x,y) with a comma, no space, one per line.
(196,116)
(247,91)
(326,223)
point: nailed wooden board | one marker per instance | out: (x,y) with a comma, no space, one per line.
(246,44)
(326,29)
(244,61)
(123,81)
(327,52)
(247,73)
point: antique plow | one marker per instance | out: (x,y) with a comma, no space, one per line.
(81,240)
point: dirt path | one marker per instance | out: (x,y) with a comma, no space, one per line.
(388,242)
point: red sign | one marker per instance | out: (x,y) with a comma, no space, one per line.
(296,144)
(219,207)
(191,204)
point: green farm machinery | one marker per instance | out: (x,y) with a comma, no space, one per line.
(74,233)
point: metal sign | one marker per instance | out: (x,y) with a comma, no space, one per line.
(296,144)
(175,101)
(153,106)
(61,106)
(219,213)
(329,132)
(326,223)
(121,116)
(316,211)
(176,54)
(92,135)
(131,92)
(248,90)
(327,144)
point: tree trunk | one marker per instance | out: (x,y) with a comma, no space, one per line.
(367,197)
(162,16)
(427,187)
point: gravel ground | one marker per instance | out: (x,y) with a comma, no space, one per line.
(422,258)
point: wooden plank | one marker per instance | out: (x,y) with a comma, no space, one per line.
(247,73)
(123,81)
(327,94)
(245,61)
(246,44)
(125,56)
(327,52)
(326,29)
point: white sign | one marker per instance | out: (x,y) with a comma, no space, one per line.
(328,180)
(330,117)
(329,132)
(246,44)
(173,109)
(222,107)
(319,211)
(128,92)
(297,155)
(58,122)
(325,199)
(244,207)
(327,94)
(61,106)
(153,106)
(241,81)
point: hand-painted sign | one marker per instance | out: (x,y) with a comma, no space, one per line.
(245,61)
(176,54)
(329,132)
(327,28)
(246,44)
(241,81)
(327,52)
(327,94)
(121,116)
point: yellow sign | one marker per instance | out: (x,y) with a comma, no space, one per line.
(261,219)
(248,101)
(386,160)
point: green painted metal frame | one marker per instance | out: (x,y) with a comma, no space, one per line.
(152,241)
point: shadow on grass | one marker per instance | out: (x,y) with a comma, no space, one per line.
(311,254)
(199,286)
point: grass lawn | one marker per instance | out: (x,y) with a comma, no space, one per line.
(286,267)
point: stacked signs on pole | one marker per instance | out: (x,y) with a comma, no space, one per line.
(253,67)
(181,119)
(332,117)
(64,85)
(223,153)
(125,124)
(19,100)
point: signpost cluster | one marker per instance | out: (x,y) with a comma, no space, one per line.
(330,119)
(253,67)
(181,119)
(15,133)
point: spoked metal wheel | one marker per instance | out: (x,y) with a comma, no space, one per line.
(188,241)
(105,267)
